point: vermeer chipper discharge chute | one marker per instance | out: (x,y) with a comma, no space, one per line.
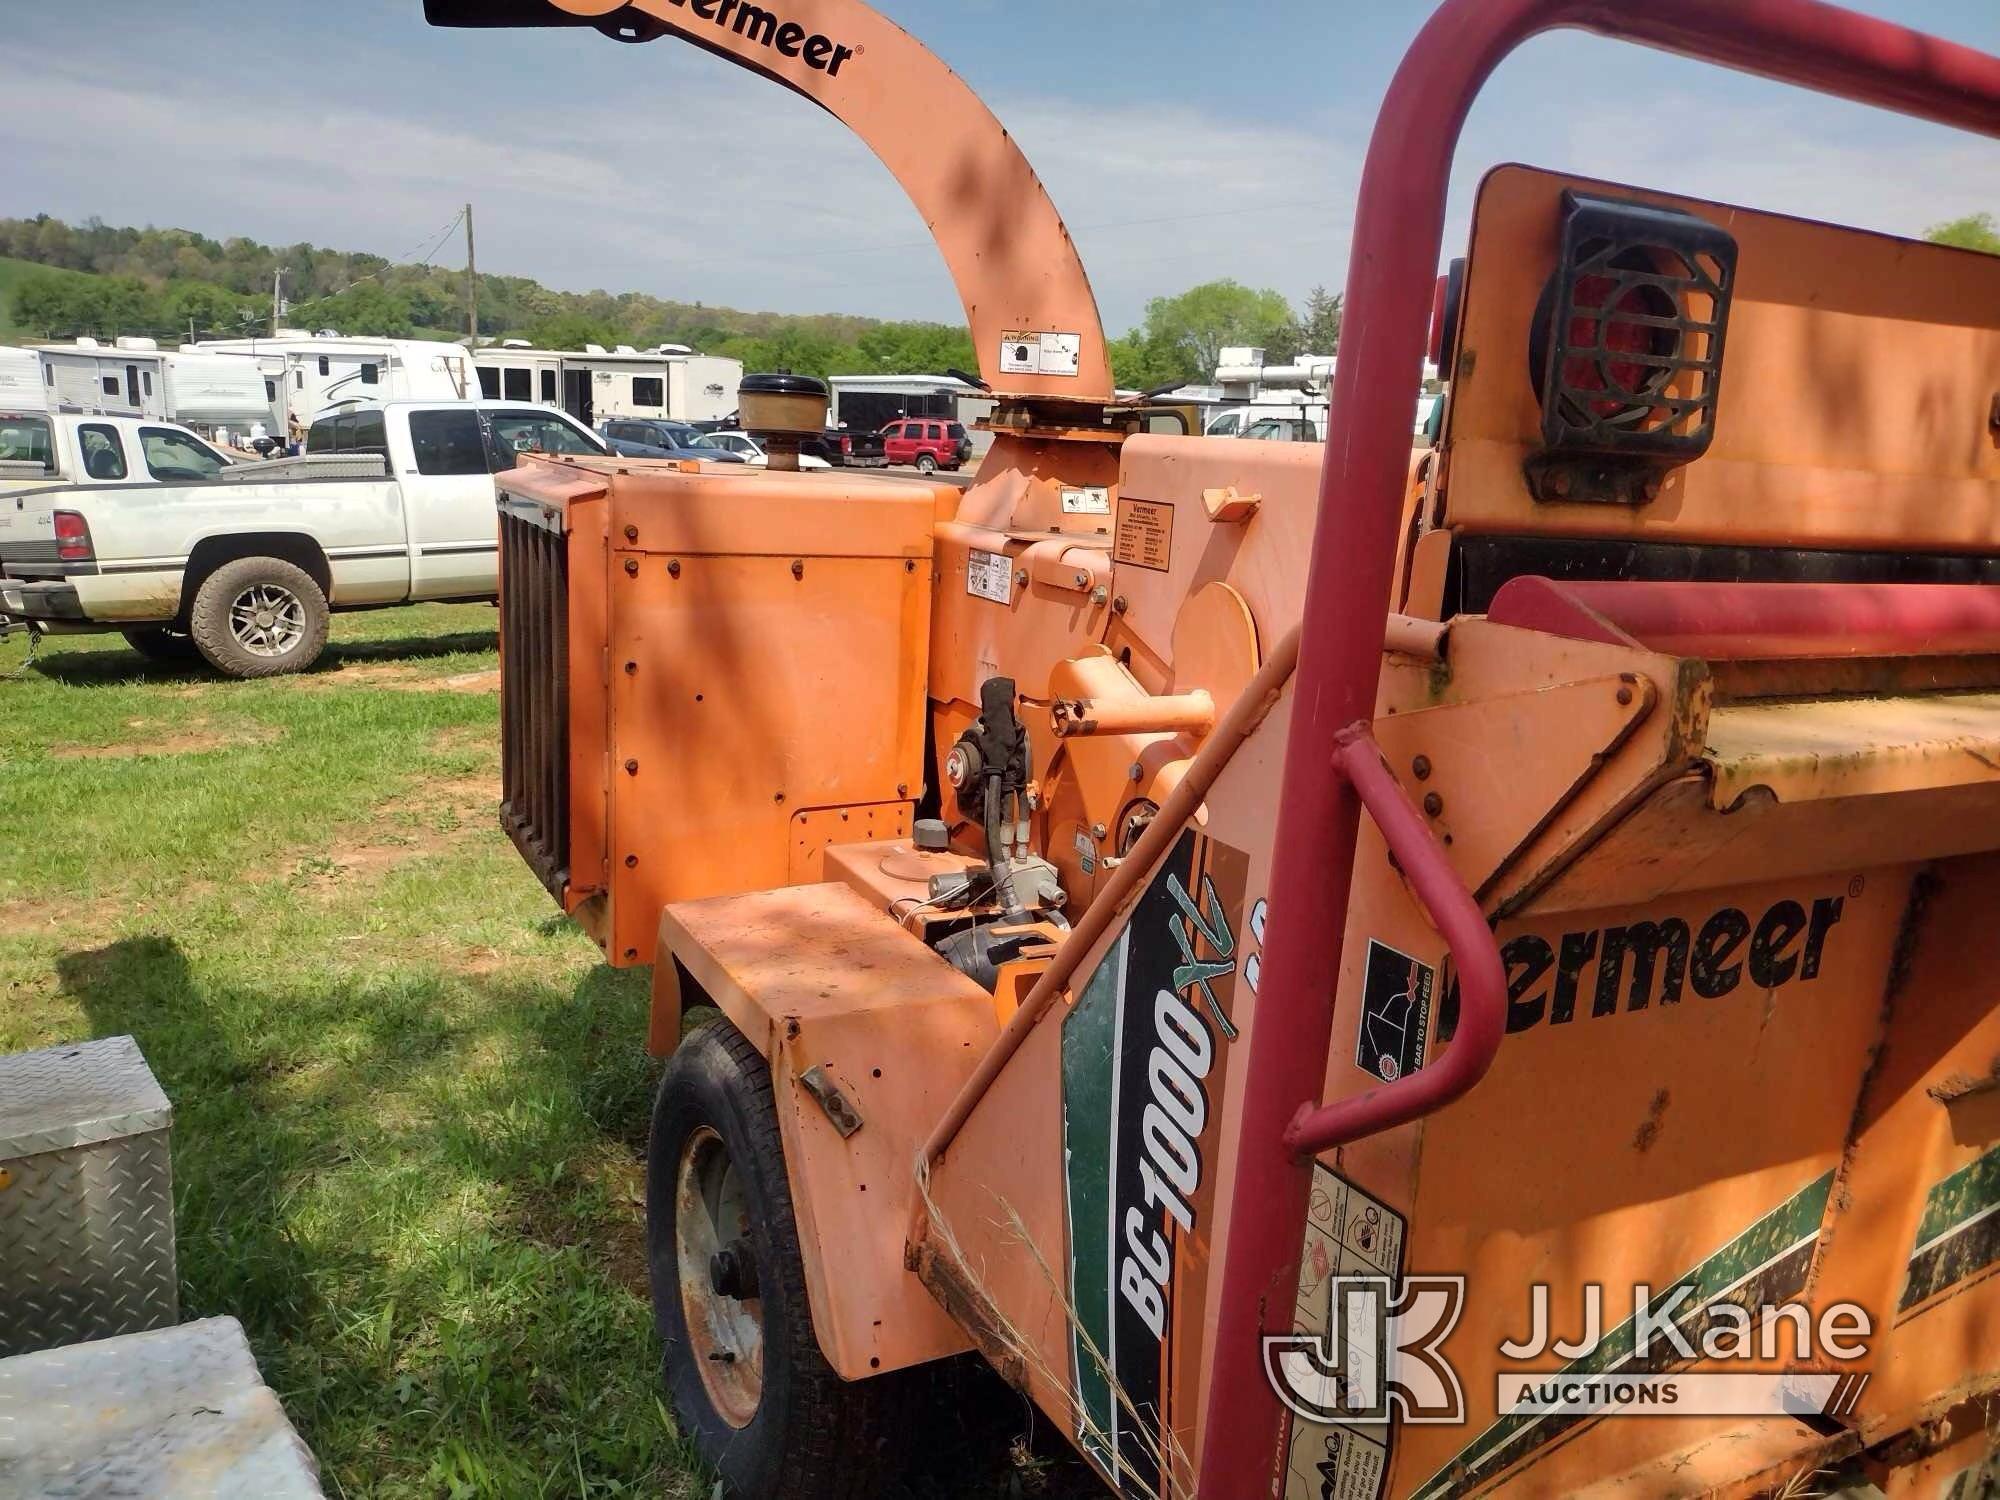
(1339,972)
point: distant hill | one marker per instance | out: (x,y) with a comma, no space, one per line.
(59,280)
(12,273)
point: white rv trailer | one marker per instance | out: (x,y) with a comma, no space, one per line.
(307,372)
(595,383)
(515,370)
(135,377)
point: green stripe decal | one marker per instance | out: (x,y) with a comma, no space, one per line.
(1089,1039)
(1959,1233)
(1772,1239)
(1969,1191)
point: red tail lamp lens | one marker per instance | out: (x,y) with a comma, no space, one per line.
(1609,323)
(72,537)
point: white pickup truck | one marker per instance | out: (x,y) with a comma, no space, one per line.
(40,449)
(245,570)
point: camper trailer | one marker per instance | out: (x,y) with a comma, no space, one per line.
(134,377)
(594,384)
(515,370)
(307,372)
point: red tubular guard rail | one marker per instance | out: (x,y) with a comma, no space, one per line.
(1760,621)
(1398,234)
(1482,977)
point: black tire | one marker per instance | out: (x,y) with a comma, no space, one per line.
(214,626)
(160,643)
(813,1436)
(926,464)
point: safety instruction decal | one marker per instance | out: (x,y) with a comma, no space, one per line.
(1024,353)
(1145,536)
(989,575)
(1395,1013)
(1086,500)
(1348,1233)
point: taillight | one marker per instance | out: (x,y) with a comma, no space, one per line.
(72,537)
(1610,319)
(1626,351)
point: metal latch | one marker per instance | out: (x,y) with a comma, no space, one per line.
(819,1083)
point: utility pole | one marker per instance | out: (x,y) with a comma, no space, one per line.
(277,297)
(471,285)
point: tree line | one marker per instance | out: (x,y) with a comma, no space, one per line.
(168,283)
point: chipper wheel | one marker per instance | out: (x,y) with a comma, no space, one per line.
(741,1363)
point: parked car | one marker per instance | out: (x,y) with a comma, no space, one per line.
(662,439)
(931,443)
(1282,430)
(855,450)
(40,449)
(245,574)
(752,452)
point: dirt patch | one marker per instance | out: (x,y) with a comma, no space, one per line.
(436,818)
(33,916)
(194,737)
(459,682)
(401,677)
(457,738)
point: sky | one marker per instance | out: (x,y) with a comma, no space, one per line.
(1181,142)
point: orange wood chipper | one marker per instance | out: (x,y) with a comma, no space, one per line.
(1341,972)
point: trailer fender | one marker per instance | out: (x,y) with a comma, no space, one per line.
(868,1035)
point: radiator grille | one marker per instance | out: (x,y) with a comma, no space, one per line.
(534,689)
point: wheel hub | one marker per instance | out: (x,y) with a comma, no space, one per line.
(732,1271)
(267,619)
(720,1301)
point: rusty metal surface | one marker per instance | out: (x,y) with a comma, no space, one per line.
(86,1196)
(175,1414)
(1849,747)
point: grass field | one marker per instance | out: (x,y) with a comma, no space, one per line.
(410,1104)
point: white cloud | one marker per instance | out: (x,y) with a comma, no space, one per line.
(705,184)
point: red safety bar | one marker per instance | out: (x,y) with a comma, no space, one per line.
(1398,234)
(1482,977)
(1760,621)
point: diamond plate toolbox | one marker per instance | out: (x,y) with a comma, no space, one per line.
(86,1196)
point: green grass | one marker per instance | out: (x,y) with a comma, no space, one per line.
(410,1103)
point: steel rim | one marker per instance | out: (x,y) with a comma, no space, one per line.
(725,1334)
(267,619)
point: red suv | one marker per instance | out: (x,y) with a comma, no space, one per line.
(928,442)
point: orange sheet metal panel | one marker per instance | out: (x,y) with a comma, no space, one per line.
(1701,1083)
(1855,411)
(819,976)
(764,658)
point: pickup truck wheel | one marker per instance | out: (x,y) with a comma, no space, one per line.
(740,1359)
(926,464)
(158,643)
(259,617)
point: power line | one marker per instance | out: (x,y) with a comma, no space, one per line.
(445,234)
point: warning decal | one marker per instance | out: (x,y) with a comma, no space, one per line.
(1348,1233)
(989,575)
(1040,353)
(1145,536)
(1086,500)
(1395,1013)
